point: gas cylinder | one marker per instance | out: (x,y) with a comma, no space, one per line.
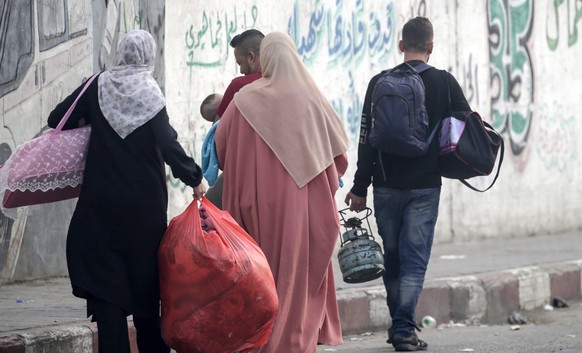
(360,256)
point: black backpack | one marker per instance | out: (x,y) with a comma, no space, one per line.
(399,119)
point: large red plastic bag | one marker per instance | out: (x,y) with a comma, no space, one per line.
(217,289)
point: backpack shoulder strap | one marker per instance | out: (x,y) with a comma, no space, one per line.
(405,66)
(422,67)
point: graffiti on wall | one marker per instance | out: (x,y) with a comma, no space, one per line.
(306,44)
(52,23)
(38,46)
(469,79)
(555,25)
(17,43)
(344,35)
(113,17)
(512,77)
(58,22)
(207,44)
(344,38)
(350,110)
(556,138)
(6,223)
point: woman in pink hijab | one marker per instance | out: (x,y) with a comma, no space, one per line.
(282,149)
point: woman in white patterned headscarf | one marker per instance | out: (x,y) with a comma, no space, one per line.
(128,94)
(121,214)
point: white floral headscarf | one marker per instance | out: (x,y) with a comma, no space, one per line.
(128,94)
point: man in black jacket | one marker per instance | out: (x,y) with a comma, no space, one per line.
(406,190)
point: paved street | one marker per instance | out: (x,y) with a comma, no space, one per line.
(487,279)
(559,330)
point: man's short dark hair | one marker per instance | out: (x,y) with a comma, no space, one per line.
(249,40)
(417,34)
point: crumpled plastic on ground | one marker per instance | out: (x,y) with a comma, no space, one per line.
(217,289)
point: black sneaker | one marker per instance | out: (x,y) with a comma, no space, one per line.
(408,343)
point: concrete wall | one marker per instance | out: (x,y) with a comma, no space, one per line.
(514,59)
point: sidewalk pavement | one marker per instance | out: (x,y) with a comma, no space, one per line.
(483,281)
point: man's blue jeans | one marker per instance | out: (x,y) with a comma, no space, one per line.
(406,220)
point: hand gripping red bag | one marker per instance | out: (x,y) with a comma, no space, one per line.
(217,289)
